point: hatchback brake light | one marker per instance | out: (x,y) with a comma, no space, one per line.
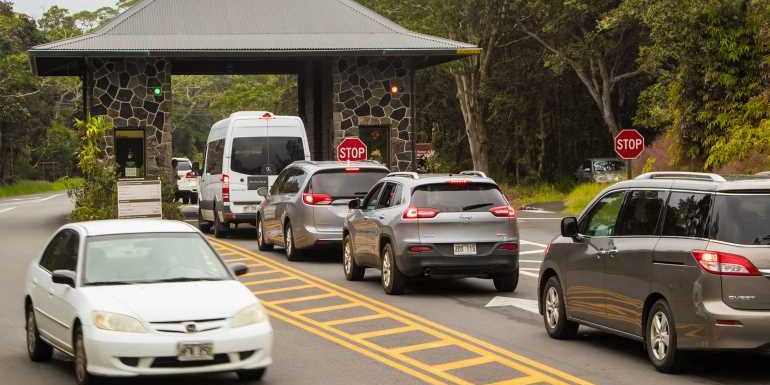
(317,199)
(419,213)
(458,181)
(352,169)
(503,211)
(725,264)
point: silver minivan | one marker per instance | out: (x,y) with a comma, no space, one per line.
(308,203)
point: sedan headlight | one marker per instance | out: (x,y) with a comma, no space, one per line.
(250,315)
(117,322)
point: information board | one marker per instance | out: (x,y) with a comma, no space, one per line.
(139,199)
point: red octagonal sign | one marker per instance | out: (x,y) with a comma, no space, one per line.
(629,144)
(352,149)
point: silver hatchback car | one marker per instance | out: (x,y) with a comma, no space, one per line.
(308,203)
(411,226)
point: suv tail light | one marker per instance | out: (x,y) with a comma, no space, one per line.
(316,199)
(503,211)
(724,264)
(420,249)
(190,175)
(419,213)
(225,188)
(458,181)
(352,169)
(513,247)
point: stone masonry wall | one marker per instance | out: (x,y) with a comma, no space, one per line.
(123,91)
(362,97)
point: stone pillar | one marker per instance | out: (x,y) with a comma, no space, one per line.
(362,97)
(123,90)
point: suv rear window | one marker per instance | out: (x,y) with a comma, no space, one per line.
(265,155)
(447,197)
(341,184)
(742,219)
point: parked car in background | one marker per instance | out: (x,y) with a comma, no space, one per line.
(680,261)
(308,203)
(244,154)
(601,170)
(131,298)
(413,226)
(186,180)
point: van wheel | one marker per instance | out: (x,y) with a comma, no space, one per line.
(220,229)
(554,312)
(194,198)
(353,272)
(506,283)
(660,339)
(37,349)
(288,243)
(203,225)
(393,281)
(262,245)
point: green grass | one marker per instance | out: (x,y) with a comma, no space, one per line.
(523,195)
(581,196)
(26,187)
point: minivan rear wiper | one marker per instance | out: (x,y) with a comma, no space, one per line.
(477,206)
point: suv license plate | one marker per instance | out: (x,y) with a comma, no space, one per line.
(465,249)
(195,351)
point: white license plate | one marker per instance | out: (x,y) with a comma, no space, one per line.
(195,351)
(250,209)
(465,249)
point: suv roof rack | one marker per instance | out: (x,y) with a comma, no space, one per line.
(306,161)
(404,174)
(702,176)
(479,174)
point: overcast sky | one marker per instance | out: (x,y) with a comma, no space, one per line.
(36,8)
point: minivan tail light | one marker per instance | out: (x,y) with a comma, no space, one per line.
(316,199)
(419,213)
(725,264)
(503,211)
(225,188)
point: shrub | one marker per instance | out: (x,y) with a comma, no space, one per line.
(96,197)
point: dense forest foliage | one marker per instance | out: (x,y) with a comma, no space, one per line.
(555,81)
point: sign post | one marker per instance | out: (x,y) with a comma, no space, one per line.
(629,145)
(352,149)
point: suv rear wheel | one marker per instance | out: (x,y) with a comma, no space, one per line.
(660,338)
(262,244)
(554,312)
(353,272)
(393,281)
(506,283)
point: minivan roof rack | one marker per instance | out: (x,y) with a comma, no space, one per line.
(479,174)
(405,174)
(702,176)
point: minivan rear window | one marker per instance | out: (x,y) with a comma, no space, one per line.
(341,184)
(449,197)
(265,155)
(742,219)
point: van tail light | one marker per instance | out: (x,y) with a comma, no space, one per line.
(512,247)
(503,211)
(420,249)
(190,175)
(225,188)
(316,199)
(419,213)
(725,264)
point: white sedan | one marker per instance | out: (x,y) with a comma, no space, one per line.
(143,297)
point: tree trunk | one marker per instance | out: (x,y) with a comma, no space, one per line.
(467,81)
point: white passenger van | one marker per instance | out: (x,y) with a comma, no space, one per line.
(244,154)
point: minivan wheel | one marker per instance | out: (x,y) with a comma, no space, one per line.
(353,272)
(660,339)
(554,312)
(393,281)
(288,243)
(261,244)
(37,349)
(506,283)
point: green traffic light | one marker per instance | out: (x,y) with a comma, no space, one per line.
(156,91)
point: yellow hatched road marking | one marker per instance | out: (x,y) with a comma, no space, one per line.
(384,332)
(263,272)
(237,260)
(531,371)
(282,289)
(327,308)
(271,280)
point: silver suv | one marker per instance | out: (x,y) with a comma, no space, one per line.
(309,201)
(680,261)
(412,226)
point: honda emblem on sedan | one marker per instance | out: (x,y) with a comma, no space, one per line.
(190,327)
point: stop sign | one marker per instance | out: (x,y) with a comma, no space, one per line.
(629,144)
(352,149)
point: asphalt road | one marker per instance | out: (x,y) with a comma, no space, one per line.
(322,341)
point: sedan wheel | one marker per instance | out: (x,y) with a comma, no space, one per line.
(81,362)
(37,349)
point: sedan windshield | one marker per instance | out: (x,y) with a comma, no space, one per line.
(150,258)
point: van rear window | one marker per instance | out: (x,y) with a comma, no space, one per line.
(446,197)
(742,219)
(341,184)
(265,155)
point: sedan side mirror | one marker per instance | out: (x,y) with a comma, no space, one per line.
(354,204)
(569,227)
(64,277)
(238,268)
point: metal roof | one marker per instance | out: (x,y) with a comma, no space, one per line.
(250,28)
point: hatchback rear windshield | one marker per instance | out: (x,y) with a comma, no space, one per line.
(742,219)
(341,184)
(448,197)
(265,155)
(183,166)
